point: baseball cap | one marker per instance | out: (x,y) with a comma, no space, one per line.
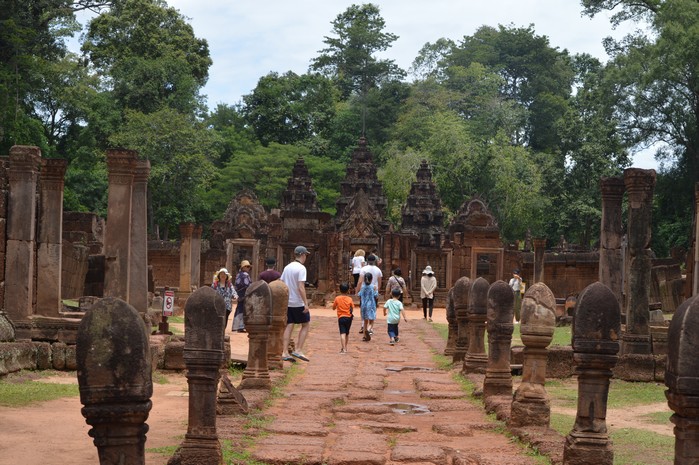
(300,250)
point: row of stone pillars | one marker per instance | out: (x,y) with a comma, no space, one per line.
(114,370)
(597,323)
(33,254)
(628,274)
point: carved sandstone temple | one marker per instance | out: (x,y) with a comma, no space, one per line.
(470,245)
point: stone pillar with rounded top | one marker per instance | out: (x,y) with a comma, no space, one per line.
(461,290)
(186,233)
(204,321)
(114,373)
(610,260)
(452,325)
(596,328)
(539,249)
(682,381)
(258,324)
(476,359)
(121,166)
(639,187)
(49,251)
(20,262)
(275,343)
(500,313)
(138,267)
(531,405)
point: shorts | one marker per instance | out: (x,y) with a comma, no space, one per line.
(295,315)
(345,323)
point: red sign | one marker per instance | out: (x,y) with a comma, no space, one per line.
(169,303)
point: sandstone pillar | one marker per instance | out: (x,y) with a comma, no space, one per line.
(21,233)
(695,269)
(498,375)
(205,319)
(639,186)
(195,280)
(186,233)
(461,290)
(531,405)
(539,249)
(50,250)
(258,323)
(121,165)
(682,382)
(596,327)
(476,359)
(114,373)
(275,343)
(611,267)
(138,280)
(453,325)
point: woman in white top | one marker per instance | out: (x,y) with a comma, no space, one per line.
(428,284)
(356,265)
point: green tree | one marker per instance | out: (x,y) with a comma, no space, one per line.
(350,57)
(181,151)
(535,75)
(149,56)
(290,108)
(266,170)
(229,123)
(655,81)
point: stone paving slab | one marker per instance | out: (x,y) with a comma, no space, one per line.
(279,449)
(443,394)
(359,448)
(432,386)
(419,453)
(295,427)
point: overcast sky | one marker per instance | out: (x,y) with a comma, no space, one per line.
(248,39)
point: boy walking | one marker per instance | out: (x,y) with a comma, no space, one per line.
(344,306)
(394,308)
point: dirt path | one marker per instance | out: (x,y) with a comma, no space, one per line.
(337,409)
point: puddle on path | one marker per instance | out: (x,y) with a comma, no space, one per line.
(409,391)
(407,409)
(409,368)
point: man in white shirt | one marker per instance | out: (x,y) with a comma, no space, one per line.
(298,310)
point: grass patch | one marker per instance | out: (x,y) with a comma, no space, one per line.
(168,451)
(175,319)
(238,457)
(160,378)
(443,362)
(442,329)
(561,336)
(622,394)
(562,423)
(628,394)
(20,391)
(563,393)
(657,418)
(637,447)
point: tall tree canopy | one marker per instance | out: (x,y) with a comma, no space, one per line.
(149,55)
(350,57)
(654,79)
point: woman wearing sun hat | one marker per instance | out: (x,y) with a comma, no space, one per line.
(242,281)
(223,284)
(428,284)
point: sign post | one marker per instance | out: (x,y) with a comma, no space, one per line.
(168,310)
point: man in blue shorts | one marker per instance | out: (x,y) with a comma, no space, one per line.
(298,311)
